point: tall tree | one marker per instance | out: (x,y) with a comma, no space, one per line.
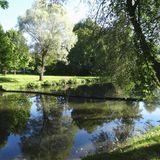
(20,56)
(81,55)
(51,32)
(5,50)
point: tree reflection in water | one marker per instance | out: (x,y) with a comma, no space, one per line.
(89,116)
(14,115)
(51,135)
(49,131)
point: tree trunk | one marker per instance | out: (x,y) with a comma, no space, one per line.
(42,68)
(146,50)
(5,72)
(24,71)
(14,72)
(41,76)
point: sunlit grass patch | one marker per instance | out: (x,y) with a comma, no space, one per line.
(12,82)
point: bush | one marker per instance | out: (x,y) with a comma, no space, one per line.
(32,85)
(62,82)
(83,81)
(46,84)
(54,83)
(72,82)
(89,80)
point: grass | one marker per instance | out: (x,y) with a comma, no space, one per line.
(145,147)
(14,82)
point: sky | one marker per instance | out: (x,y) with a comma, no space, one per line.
(8,18)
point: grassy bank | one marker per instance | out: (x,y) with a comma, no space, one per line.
(16,82)
(145,147)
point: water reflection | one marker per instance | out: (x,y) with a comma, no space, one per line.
(95,90)
(14,115)
(90,115)
(50,135)
(45,127)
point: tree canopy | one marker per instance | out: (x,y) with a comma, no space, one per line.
(5,50)
(20,56)
(4,4)
(142,17)
(14,53)
(51,31)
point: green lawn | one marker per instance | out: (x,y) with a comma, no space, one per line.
(145,147)
(12,82)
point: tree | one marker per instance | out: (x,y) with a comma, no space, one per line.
(14,52)
(104,52)
(20,56)
(5,50)
(143,18)
(81,55)
(51,32)
(3,4)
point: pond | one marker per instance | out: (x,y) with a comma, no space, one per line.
(52,128)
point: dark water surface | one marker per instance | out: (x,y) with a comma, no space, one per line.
(50,128)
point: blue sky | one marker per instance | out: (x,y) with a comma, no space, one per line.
(8,17)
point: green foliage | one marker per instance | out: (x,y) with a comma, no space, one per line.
(3,4)
(72,82)
(5,51)
(20,57)
(47,84)
(62,82)
(88,80)
(81,58)
(83,81)
(32,85)
(51,32)
(133,44)
(14,54)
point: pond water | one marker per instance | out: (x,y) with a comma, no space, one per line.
(48,128)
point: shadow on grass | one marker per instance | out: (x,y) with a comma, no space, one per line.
(5,79)
(144,153)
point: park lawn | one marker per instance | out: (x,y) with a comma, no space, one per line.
(13,82)
(144,147)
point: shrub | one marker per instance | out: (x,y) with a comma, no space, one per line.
(32,85)
(72,82)
(89,80)
(62,82)
(46,84)
(83,81)
(54,83)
